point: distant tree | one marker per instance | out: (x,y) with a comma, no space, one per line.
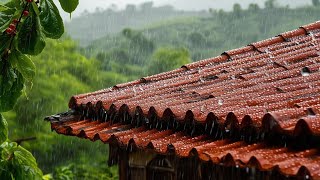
(269,4)
(197,39)
(120,56)
(127,32)
(316,3)
(253,7)
(146,6)
(165,59)
(237,10)
(130,8)
(143,44)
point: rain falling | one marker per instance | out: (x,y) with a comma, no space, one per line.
(125,94)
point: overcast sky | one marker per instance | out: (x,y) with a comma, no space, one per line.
(91,5)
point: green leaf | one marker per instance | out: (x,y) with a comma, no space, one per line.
(18,163)
(30,38)
(51,20)
(8,14)
(3,7)
(7,77)
(11,86)
(25,165)
(35,8)
(23,63)
(69,5)
(5,41)
(3,129)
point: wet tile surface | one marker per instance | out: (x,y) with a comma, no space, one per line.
(235,153)
(274,82)
(268,86)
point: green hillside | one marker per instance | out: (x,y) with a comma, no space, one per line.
(202,37)
(91,26)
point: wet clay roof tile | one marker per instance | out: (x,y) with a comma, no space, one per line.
(271,86)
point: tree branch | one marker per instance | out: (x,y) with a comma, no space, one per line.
(19,141)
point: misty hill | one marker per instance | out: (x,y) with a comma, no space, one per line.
(91,26)
(227,5)
(202,37)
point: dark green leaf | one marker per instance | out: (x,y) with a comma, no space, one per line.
(7,77)
(23,63)
(35,8)
(3,129)
(69,5)
(8,14)
(51,20)
(30,38)
(6,150)
(4,42)
(11,86)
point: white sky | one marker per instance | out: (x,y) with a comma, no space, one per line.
(91,5)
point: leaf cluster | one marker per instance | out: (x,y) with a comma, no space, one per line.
(24,25)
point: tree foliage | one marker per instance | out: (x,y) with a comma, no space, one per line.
(165,59)
(24,24)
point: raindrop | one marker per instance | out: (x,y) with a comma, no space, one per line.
(220,102)
(134,91)
(312,36)
(203,108)
(247,170)
(305,71)
(269,53)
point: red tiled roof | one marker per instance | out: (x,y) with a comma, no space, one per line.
(230,153)
(271,84)
(266,88)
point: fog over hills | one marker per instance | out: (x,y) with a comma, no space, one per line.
(227,4)
(97,18)
(91,5)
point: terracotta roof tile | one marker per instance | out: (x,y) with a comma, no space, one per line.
(238,153)
(268,89)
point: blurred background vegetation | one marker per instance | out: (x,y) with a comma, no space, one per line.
(107,47)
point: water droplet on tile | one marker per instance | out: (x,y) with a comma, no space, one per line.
(220,102)
(134,91)
(312,36)
(203,108)
(305,71)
